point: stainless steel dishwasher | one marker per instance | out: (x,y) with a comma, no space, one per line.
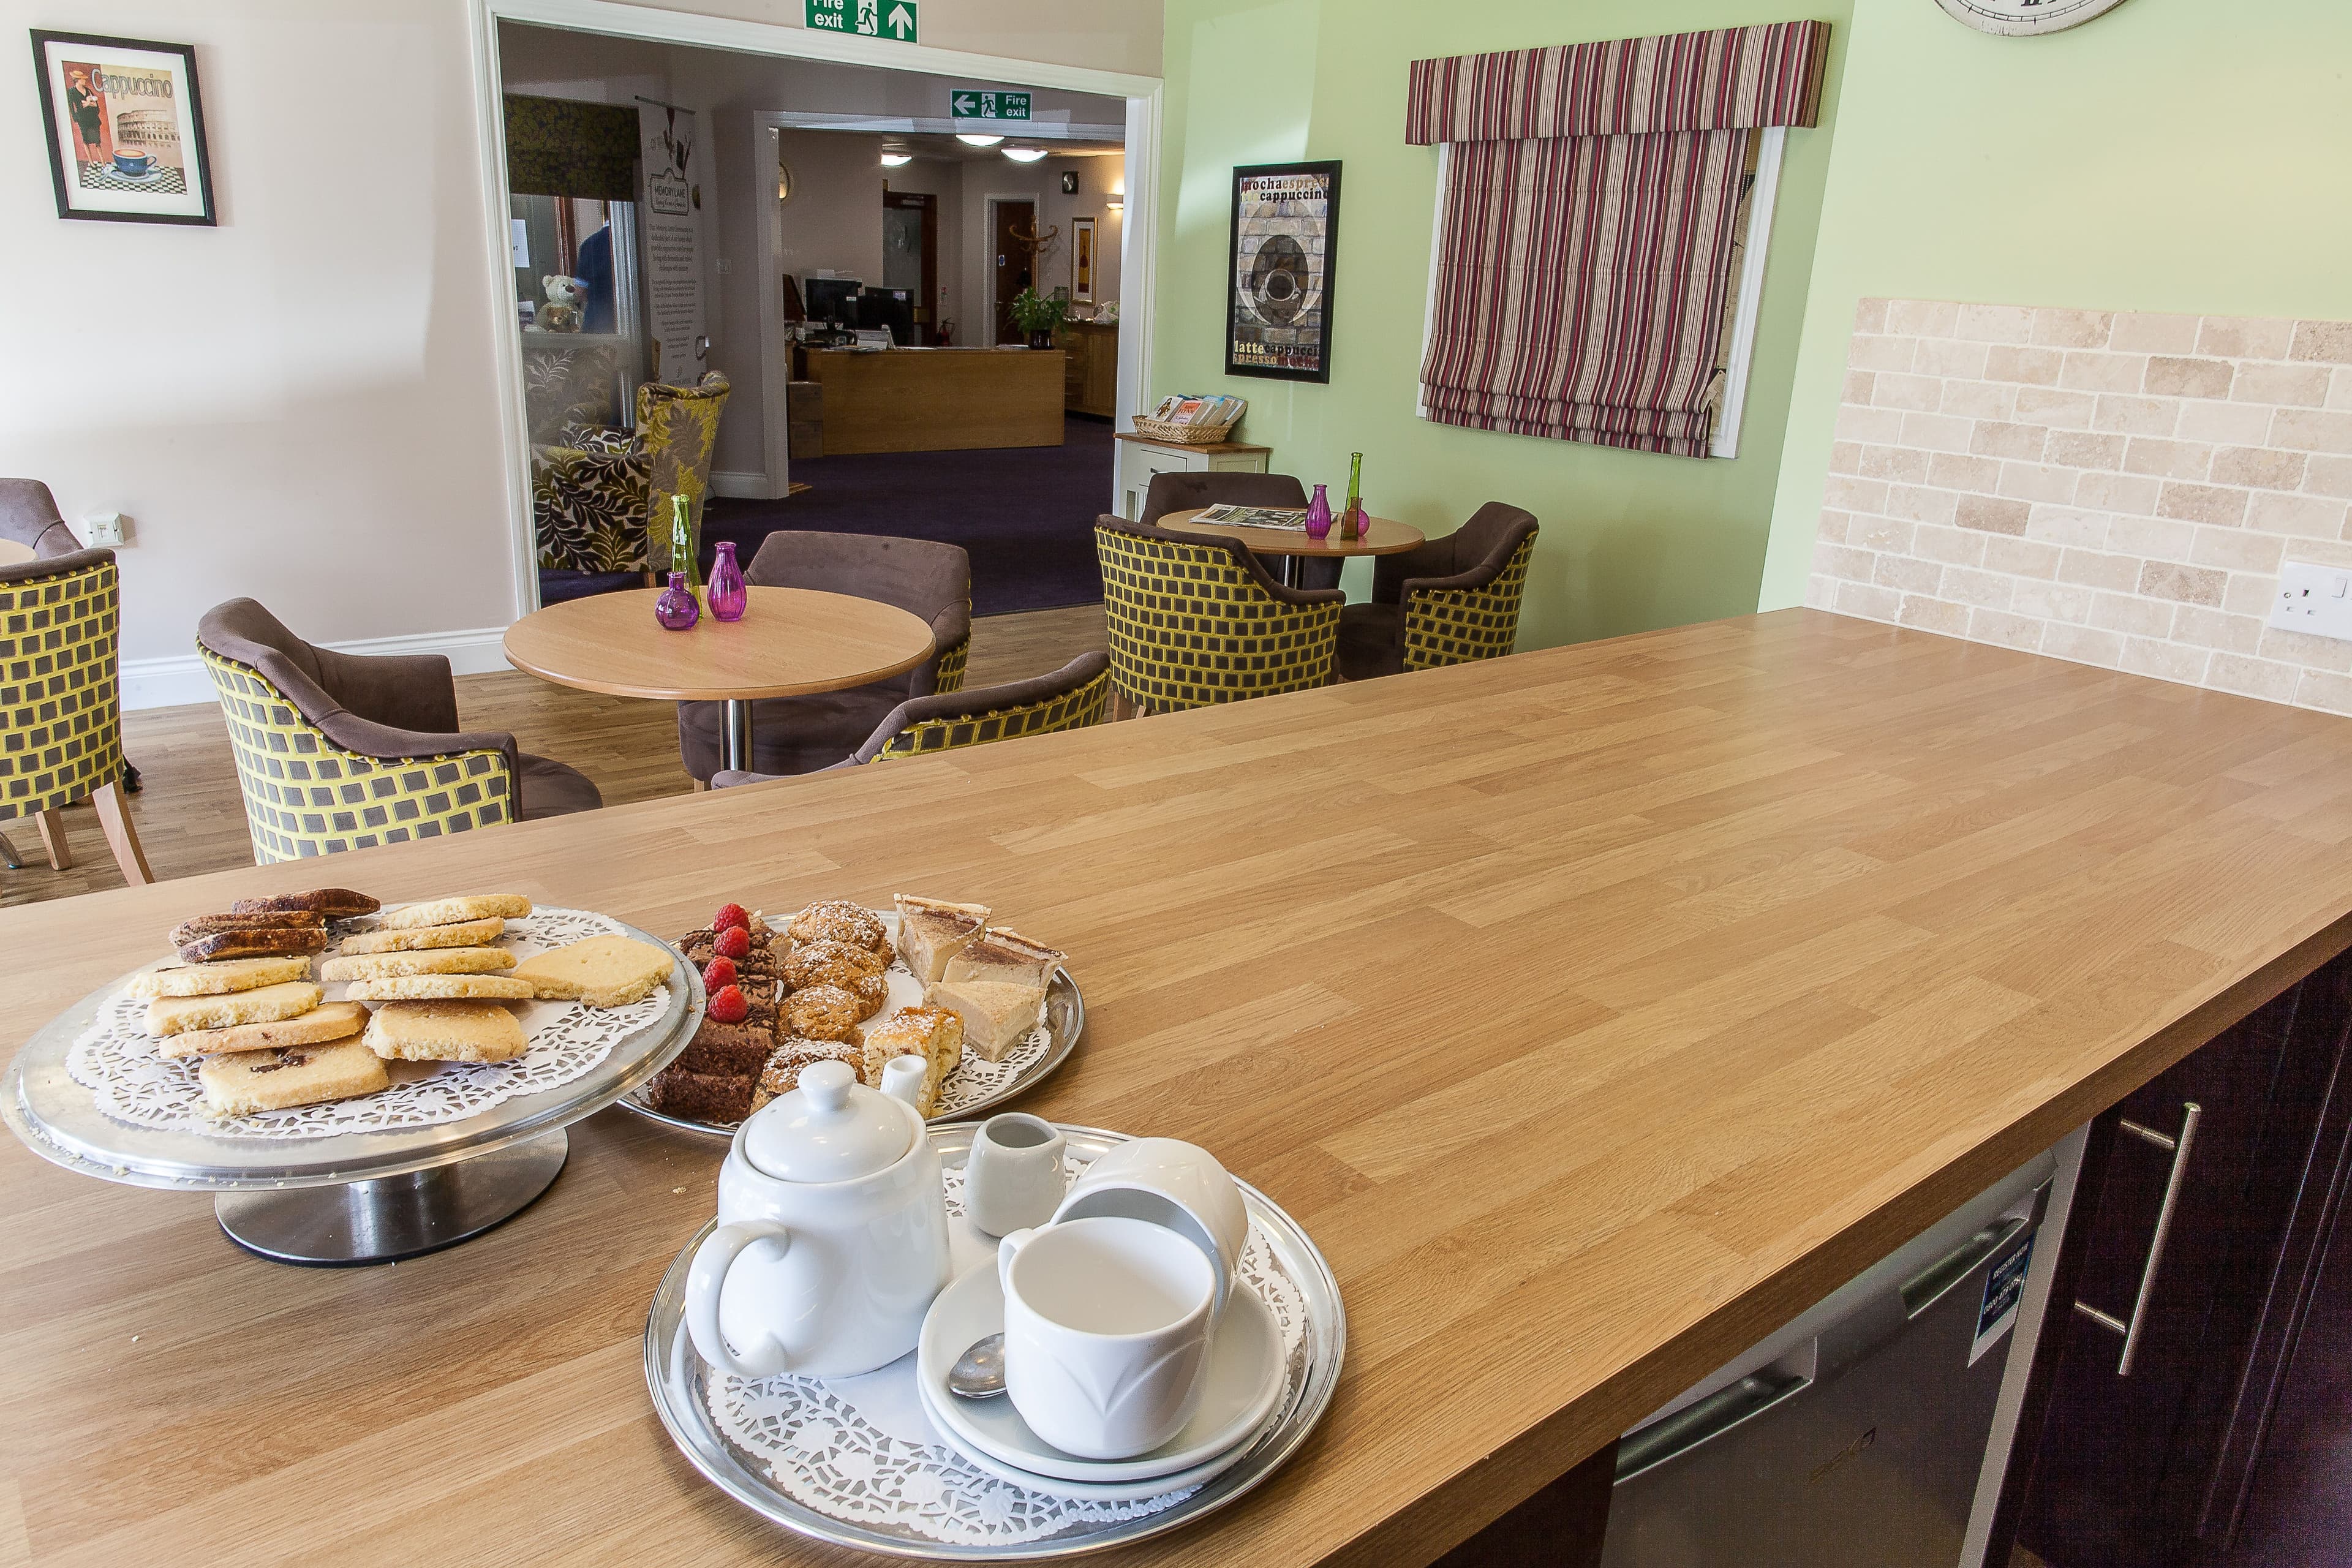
(1853,1438)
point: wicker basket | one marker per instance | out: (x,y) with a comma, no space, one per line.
(1152,429)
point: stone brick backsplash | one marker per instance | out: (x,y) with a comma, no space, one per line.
(2108,487)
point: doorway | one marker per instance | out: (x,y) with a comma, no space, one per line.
(1013,231)
(911,255)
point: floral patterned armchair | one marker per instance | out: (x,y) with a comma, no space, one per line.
(600,498)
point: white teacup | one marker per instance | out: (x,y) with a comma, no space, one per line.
(1169,1183)
(1013,1177)
(1106,1332)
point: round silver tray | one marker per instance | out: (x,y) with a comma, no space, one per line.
(1066,1021)
(676,1378)
(60,1119)
(382,1208)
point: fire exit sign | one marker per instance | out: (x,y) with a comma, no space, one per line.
(894,19)
(969,103)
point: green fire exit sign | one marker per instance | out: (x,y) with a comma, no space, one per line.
(969,103)
(894,19)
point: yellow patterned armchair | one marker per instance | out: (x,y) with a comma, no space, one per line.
(1194,621)
(338,752)
(601,499)
(60,713)
(1448,601)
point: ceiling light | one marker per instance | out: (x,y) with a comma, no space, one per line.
(1024,154)
(969,140)
(897,160)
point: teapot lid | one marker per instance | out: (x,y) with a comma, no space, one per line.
(829,1129)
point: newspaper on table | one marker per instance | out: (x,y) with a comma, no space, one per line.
(1293,518)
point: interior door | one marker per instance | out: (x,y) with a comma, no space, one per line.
(910,254)
(1013,260)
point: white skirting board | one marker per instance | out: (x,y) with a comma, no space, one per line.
(170,682)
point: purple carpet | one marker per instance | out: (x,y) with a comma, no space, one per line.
(1025,515)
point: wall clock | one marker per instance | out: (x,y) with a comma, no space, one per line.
(2015,18)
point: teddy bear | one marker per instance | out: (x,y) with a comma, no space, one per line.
(561,311)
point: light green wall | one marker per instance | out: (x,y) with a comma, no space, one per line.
(1631,540)
(2171,156)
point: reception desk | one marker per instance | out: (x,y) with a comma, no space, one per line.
(938,400)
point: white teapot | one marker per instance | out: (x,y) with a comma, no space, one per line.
(833,1232)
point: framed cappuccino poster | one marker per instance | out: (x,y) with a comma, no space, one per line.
(1279,283)
(125,127)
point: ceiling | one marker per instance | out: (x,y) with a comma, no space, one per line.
(928,144)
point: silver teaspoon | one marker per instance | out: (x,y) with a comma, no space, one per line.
(979,1372)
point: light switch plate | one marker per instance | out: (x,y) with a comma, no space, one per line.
(2315,599)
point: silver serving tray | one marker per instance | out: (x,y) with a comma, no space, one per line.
(59,1119)
(1066,1020)
(676,1377)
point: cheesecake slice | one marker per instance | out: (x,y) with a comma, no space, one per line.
(931,933)
(997,1014)
(1005,954)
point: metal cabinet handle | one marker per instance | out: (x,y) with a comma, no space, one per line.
(2190,1114)
(1671,1436)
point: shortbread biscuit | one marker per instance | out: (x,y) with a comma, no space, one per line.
(263,1005)
(218,979)
(444,1032)
(202,926)
(610,970)
(327,1021)
(449,911)
(440,988)
(250,1081)
(465,933)
(334,903)
(422,961)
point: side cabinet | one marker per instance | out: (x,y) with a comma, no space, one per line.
(1138,459)
(2204,1212)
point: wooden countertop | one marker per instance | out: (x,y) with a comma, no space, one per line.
(1595,1009)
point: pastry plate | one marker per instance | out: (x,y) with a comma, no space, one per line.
(976,1088)
(59,1118)
(852,1489)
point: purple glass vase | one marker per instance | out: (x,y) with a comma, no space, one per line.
(675,609)
(728,598)
(1318,516)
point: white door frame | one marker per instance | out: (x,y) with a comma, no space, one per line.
(1143,95)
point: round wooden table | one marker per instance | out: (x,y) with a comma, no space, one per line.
(792,642)
(1386,536)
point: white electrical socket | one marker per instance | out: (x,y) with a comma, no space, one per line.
(2315,599)
(105,528)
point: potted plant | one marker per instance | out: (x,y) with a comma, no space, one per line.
(1039,315)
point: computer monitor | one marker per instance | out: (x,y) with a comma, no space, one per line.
(833,298)
(893,309)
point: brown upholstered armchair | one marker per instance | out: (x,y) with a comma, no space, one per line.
(60,714)
(802,734)
(1448,601)
(1072,697)
(339,752)
(1189,492)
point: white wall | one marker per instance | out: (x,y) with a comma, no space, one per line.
(1041,182)
(301,404)
(941,178)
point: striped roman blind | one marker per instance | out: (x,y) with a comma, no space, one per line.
(1588,223)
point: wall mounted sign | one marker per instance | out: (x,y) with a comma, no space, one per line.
(125,128)
(898,20)
(2017,18)
(1278,275)
(672,265)
(971,103)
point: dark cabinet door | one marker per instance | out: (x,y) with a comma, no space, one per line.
(2179,1228)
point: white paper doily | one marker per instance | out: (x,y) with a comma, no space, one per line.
(115,1058)
(823,1452)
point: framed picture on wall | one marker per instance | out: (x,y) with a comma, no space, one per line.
(126,129)
(1285,234)
(1082,259)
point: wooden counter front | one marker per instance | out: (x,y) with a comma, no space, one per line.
(938,400)
(1596,1010)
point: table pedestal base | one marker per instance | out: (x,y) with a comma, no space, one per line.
(393,1218)
(735,736)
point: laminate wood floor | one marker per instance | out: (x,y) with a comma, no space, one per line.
(191,819)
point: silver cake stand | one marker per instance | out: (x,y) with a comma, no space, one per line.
(344,1198)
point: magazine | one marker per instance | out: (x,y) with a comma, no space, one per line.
(1293,518)
(1188,408)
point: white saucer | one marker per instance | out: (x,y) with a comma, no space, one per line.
(1242,1385)
(1081,1491)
